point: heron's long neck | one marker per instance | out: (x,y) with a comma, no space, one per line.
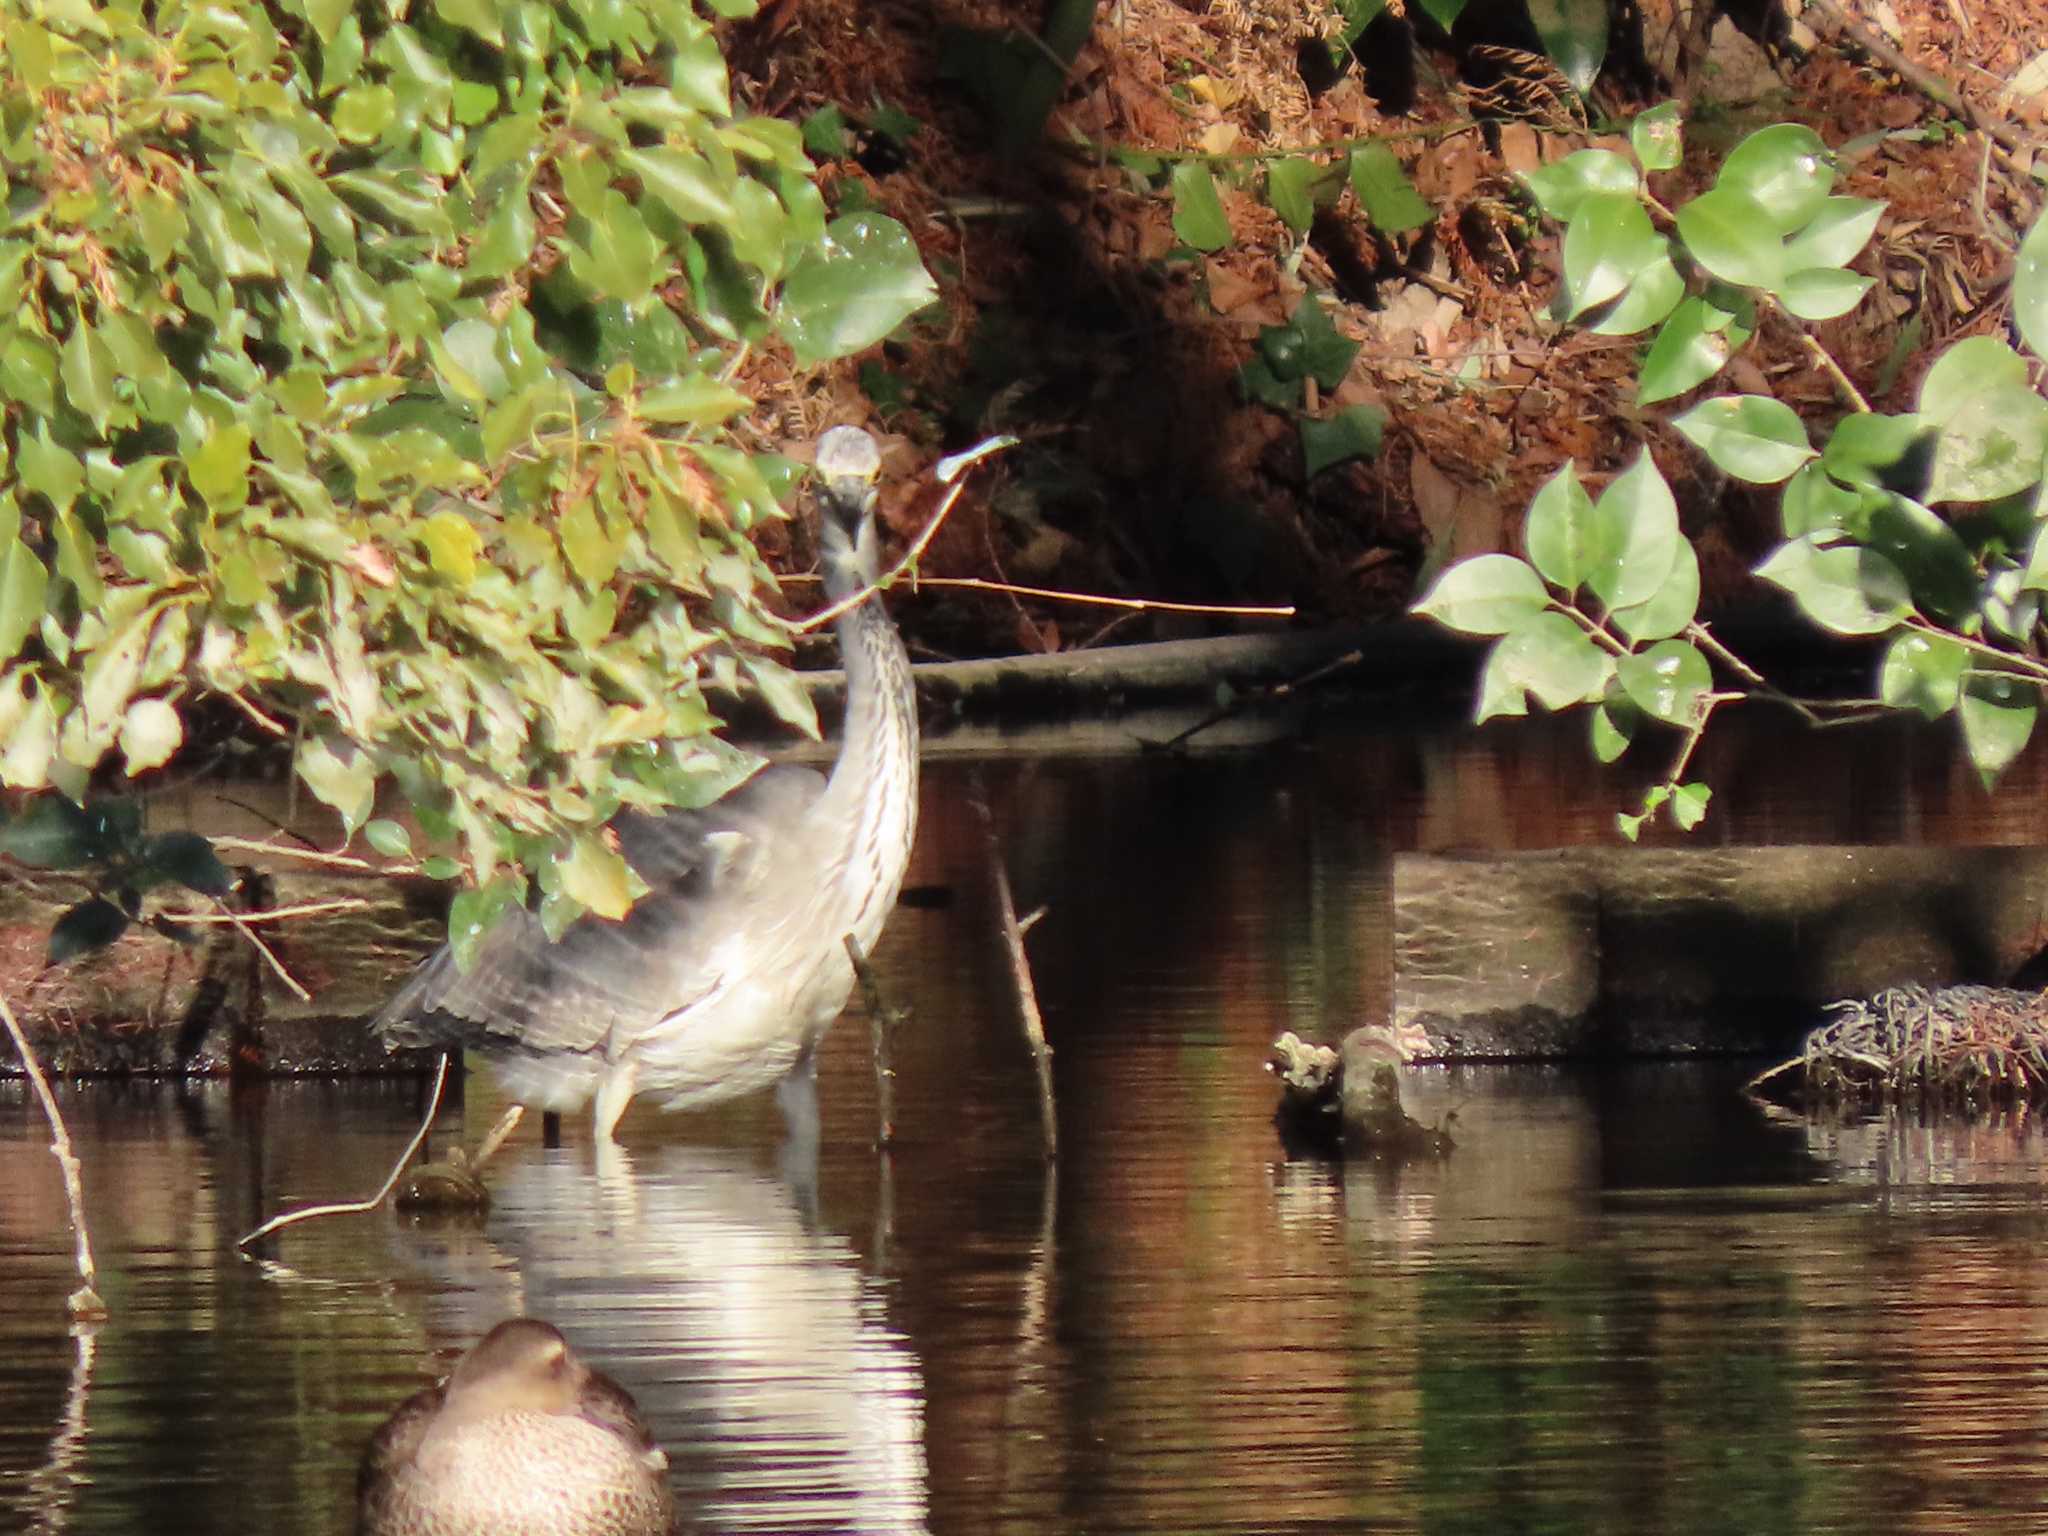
(873,788)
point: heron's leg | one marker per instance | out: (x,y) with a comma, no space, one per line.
(613,1095)
(797,1158)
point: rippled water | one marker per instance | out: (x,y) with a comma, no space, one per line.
(1627,1302)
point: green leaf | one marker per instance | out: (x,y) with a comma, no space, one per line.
(1923,672)
(1841,228)
(825,133)
(1615,721)
(23,585)
(1671,609)
(1785,170)
(1639,522)
(863,282)
(1565,540)
(1842,588)
(452,545)
(696,399)
(189,859)
(1689,805)
(93,924)
(597,877)
(683,181)
(342,774)
(1290,189)
(1324,354)
(1822,293)
(785,695)
(1998,713)
(1871,449)
(2030,288)
(388,838)
(1352,433)
(1667,681)
(1652,295)
(1561,188)
(1657,137)
(1197,211)
(1815,502)
(1994,427)
(1694,345)
(1752,437)
(1607,245)
(1730,234)
(1486,595)
(219,467)
(50,833)
(474,913)
(1550,659)
(150,733)
(1574,34)
(1938,567)
(1384,191)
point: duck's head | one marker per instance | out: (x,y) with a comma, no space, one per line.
(521,1366)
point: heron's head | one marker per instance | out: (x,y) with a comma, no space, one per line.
(847,463)
(520,1366)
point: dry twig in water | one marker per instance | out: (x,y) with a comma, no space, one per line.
(85,1302)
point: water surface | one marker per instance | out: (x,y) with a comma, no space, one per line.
(1629,1300)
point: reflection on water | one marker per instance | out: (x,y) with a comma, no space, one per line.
(1627,1302)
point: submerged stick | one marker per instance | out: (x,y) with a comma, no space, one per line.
(1020,979)
(882,1029)
(285,1219)
(84,1302)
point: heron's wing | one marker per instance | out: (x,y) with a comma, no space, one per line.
(602,976)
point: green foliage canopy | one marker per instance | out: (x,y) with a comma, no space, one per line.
(368,364)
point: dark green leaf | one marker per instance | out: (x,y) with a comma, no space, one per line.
(1574,34)
(1290,189)
(93,924)
(1351,433)
(189,859)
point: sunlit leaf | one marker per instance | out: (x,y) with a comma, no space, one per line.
(1550,659)
(1486,595)
(1198,217)
(1752,437)
(1843,588)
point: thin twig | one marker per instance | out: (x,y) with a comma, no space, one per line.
(846,605)
(881,1030)
(271,914)
(242,927)
(85,1302)
(358,1207)
(1098,600)
(310,855)
(1020,978)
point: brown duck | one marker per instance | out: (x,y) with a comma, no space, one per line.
(522,1439)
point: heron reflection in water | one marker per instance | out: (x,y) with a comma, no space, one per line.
(726,975)
(754,1335)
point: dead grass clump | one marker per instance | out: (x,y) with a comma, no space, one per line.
(1956,1046)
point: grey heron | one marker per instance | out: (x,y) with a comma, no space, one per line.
(522,1436)
(725,976)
